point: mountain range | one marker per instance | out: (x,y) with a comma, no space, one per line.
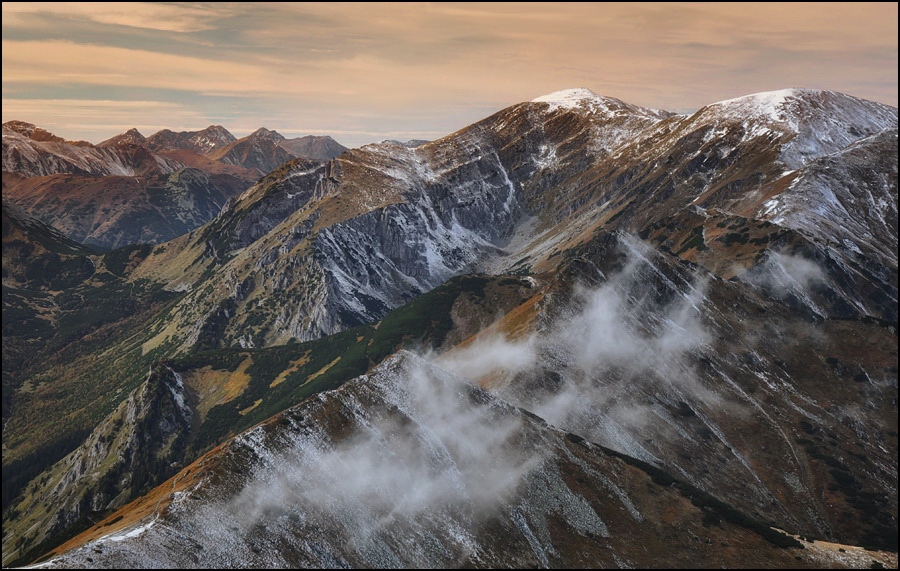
(130,189)
(578,332)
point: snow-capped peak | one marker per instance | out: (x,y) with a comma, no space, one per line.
(819,122)
(567,98)
(585,100)
(764,104)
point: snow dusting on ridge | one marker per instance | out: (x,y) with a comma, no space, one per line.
(766,103)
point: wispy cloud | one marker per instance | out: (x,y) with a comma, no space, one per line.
(433,449)
(56,62)
(147,15)
(592,370)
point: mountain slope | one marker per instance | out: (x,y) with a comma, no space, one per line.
(734,389)
(142,440)
(131,189)
(116,193)
(476,482)
(222,393)
(36,257)
(845,197)
(115,211)
(463,203)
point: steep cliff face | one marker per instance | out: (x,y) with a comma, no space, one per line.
(135,445)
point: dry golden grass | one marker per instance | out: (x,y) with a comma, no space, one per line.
(323,370)
(245,411)
(218,387)
(294,366)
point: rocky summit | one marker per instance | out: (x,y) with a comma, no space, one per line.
(578,332)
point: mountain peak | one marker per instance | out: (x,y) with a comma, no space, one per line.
(21,127)
(765,103)
(568,98)
(785,104)
(218,130)
(131,137)
(213,136)
(585,100)
(819,122)
(315,147)
(263,133)
(33,132)
(203,142)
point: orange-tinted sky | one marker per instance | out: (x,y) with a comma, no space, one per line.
(367,72)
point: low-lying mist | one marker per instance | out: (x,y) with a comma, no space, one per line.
(421,443)
(590,370)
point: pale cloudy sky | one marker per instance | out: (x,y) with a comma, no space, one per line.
(367,72)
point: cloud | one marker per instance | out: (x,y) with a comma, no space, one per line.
(147,15)
(492,355)
(54,62)
(434,446)
(786,277)
(601,370)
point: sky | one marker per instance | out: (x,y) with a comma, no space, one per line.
(367,72)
